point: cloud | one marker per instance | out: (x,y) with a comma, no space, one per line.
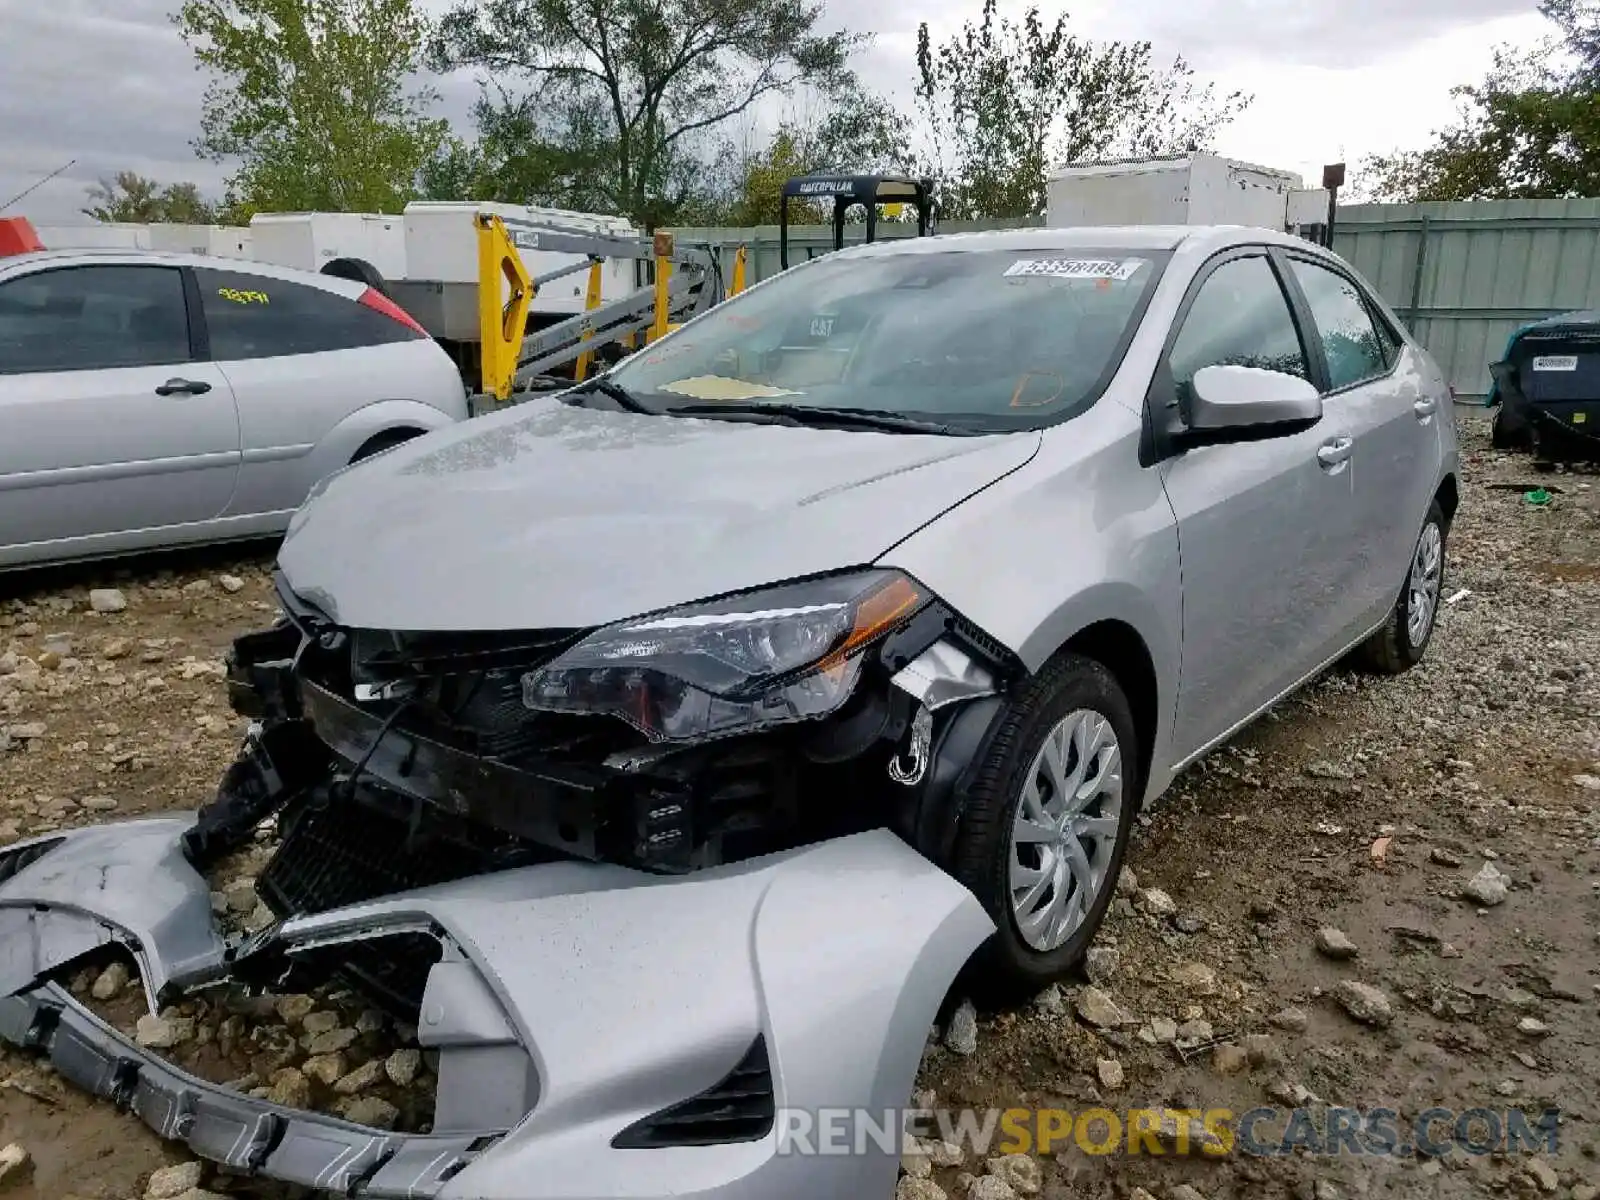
(113,87)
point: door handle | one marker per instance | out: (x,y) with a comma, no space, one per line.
(1425,407)
(1335,451)
(187,387)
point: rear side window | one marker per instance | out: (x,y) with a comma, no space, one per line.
(84,318)
(253,316)
(1239,317)
(1350,340)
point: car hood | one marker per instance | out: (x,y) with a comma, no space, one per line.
(554,516)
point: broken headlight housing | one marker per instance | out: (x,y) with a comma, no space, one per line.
(747,662)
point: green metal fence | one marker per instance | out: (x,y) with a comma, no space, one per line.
(1462,276)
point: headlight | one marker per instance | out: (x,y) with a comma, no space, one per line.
(769,657)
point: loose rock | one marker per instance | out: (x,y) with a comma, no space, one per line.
(330,1042)
(107,600)
(1050,1002)
(1532,1027)
(1543,1175)
(1333,943)
(367,1075)
(990,1187)
(1100,963)
(162,1033)
(1364,1003)
(1196,978)
(294,1009)
(290,1088)
(962,1035)
(1228,1059)
(1099,1010)
(1021,1172)
(1110,1073)
(1156,902)
(110,982)
(402,1066)
(1488,887)
(1292,1019)
(913,1187)
(173,1181)
(371,1110)
(16,1164)
(230,583)
(326,1069)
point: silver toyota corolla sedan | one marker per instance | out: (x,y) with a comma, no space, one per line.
(151,400)
(671,744)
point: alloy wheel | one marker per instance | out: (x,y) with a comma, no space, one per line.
(1065,830)
(1422,601)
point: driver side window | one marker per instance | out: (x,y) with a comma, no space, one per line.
(1239,317)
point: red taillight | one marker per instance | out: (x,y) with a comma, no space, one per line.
(378,302)
(17,236)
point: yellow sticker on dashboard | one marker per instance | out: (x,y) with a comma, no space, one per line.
(1578,418)
(241,297)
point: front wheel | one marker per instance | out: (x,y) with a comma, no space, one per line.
(1403,638)
(1046,824)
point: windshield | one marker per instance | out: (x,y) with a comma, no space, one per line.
(994,339)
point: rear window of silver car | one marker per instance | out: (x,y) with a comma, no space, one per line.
(999,339)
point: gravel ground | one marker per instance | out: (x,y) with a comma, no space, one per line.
(1307,918)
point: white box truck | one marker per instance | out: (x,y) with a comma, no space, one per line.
(1187,189)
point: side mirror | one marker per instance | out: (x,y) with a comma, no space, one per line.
(1230,400)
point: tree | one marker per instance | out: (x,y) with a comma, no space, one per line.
(1004,101)
(645,84)
(857,132)
(132,197)
(312,97)
(1531,129)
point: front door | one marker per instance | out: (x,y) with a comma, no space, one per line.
(1264,527)
(108,423)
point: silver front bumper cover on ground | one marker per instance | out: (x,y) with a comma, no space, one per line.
(571,1001)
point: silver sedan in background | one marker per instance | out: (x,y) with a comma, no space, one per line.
(150,400)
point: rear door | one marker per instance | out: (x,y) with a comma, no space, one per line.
(1395,421)
(301,357)
(111,425)
(1263,526)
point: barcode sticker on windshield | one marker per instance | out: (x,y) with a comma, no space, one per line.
(1076,268)
(1556,362)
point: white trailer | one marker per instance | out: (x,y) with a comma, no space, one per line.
(1187,189)
(309,241)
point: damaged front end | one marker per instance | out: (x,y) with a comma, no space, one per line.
(670,743)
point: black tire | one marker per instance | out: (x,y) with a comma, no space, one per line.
(1393,649)
(358,270)
(1007,967)
(1500,437)
(378,443)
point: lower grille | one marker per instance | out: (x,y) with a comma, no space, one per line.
(339,853)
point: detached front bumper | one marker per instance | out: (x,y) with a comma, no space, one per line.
(602,1031)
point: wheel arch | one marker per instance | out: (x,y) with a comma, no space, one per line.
(1448,496)
(1121,649)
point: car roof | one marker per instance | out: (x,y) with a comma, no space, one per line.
(99,256)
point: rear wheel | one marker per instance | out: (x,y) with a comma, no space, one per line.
(1400,644)
(1046,824)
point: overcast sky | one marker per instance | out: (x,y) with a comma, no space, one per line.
(108,83)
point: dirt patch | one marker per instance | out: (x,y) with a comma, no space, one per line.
(1471,759)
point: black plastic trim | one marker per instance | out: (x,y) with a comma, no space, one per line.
(739,1107)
